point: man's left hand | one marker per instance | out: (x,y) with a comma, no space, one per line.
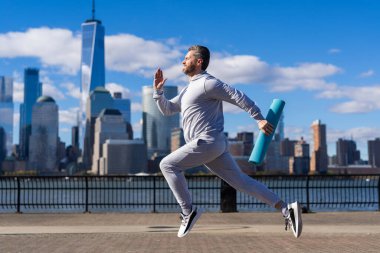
(266,127)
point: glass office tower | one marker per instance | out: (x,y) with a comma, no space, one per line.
(6,110)
(44,136)
(92,65)
(123,105)
(99,99)
(32,91)
(157,128)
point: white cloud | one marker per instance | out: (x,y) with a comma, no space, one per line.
(48,87)
(173,73)
(239,68)
(72,90)
(53,46)
(296,132)
(136,107)
(114,87)
(18,92)
(131,54)
(17,76)
(249,69)
(52,91)
(307,71)
(68,116)
(360,99)
(352,107)
(356,133)
(306,76)
(60,48)
(65,130)
(367,73)
(137,127)
(333,93)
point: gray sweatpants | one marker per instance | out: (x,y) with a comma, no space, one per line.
(213,153)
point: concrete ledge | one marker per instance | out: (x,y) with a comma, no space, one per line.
(214,232)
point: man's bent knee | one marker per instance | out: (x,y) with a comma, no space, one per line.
(166,165)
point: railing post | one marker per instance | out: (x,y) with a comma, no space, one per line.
(378,194)
(227,198)
(86,208)
(154,194)
(18,195)
(307,193)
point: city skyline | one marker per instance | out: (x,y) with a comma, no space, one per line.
(322,68)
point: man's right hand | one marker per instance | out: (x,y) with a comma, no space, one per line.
(159,80)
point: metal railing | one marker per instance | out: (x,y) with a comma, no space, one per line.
(152,194)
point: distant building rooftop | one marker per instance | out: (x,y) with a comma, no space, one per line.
(93,21)
(45,99)
(109,112)
(100,89)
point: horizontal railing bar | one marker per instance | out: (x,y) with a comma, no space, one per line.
(75,192)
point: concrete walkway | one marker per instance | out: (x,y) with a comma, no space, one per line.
(214,232)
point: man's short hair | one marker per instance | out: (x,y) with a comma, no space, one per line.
(202,53)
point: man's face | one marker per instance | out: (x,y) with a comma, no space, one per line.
(191,64)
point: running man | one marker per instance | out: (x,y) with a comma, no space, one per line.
(200,103)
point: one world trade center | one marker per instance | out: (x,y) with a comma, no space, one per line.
(92,66)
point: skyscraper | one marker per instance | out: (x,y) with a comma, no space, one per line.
(75,136)
(157,127)
(99,99)
(302,149)
(319,158)
(248,139)
(273,160)
(44,137)
(300,162)
(110,125)
(279,134)
(374,153)
(32,91)
(6,110)
(236,147)
(6,89)
(177,139)
(346,152)
(121,157)
(92,63)
(3,141)
(123,105)
(287,147)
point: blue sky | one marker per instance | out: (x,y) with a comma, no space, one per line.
(321,57)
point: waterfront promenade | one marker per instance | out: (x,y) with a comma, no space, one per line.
(214,232)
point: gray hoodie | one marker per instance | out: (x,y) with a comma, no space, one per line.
(200,103)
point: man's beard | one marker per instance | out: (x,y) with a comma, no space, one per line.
(189,69)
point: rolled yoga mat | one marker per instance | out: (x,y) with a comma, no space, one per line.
(262,142)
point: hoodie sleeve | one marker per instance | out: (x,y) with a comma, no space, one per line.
(166,107)
(216,89)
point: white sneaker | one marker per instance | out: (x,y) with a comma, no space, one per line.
(294,219)
(188,221)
